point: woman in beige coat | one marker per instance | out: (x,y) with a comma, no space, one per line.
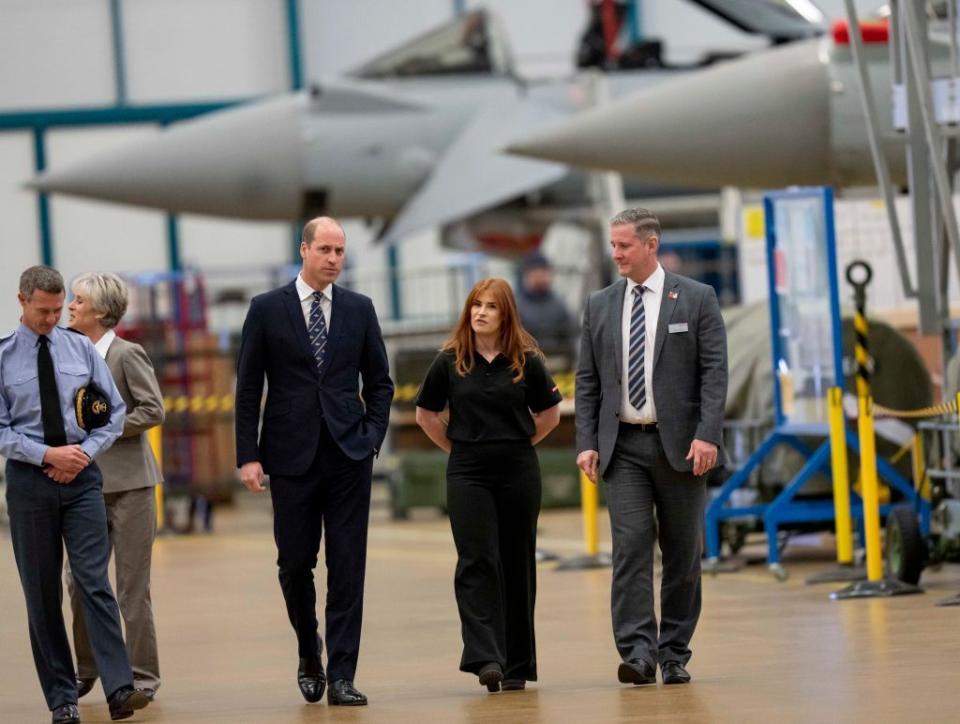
(130,472)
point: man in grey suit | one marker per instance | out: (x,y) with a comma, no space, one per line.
(130,473)
(651,385)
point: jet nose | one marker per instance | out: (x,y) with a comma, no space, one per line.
(243,163)
(759,121)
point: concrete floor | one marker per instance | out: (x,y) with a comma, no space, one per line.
(764,651)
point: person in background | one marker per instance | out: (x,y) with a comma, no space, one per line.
(130,473)
(54,493)
(502,402)
(542,313)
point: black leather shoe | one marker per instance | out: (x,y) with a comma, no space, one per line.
(490,676)
(674,673)
(636,672)
(311,680)
(66,714)
(84,686)
(513,684)
(126,700)
(342,693)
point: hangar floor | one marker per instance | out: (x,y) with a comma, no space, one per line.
(764,651)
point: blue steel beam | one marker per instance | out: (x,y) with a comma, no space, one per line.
(173,244)
(393,264)
(43,204)
(293,37)
(111,115)
(635,20)
(296,83)
(119,54)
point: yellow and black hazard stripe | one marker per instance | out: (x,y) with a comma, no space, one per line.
(198,404)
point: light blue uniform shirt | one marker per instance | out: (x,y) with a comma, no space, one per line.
(76,363)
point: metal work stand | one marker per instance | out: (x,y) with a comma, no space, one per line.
(876,589)
(785,508)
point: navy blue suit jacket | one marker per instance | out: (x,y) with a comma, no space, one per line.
(275,346)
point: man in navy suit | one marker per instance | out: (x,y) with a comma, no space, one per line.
(313,342)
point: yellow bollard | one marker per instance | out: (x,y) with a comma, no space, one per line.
(841,478)
(155,437)
(589,503)
(921,481)
(871,493)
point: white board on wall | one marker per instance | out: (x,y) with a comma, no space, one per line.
(862,232)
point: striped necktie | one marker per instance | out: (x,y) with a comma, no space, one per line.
(317,331)
(636,379)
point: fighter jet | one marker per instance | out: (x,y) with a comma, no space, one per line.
(411,138)
(789,115)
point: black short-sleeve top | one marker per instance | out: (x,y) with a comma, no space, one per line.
(487,404)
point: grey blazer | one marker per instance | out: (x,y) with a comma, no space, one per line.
(130,464)
(689,370)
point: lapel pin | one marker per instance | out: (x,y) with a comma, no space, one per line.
(673,295)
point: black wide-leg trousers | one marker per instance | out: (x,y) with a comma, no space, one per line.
(331,498)
(493,498)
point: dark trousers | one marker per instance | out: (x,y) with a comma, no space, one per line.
(493,498)
(332,496)
(44,516)
(132,525)
(639,481)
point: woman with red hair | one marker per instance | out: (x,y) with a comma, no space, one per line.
(501,402)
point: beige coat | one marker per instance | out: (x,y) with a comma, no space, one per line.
(130,464)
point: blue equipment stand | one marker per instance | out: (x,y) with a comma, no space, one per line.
(785,508)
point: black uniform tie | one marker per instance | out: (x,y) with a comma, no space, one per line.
(54,434)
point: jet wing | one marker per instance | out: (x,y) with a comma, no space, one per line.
(471,176)
(781,20)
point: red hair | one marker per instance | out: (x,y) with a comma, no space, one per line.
(515,341)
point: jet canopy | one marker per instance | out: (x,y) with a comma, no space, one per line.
(474,43)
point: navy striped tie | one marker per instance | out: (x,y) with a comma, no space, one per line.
(317,330)
(636,379)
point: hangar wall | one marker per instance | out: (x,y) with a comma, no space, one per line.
(60,54)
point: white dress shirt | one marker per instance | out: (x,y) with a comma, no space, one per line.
(305,292)
(652,295)
(103,344)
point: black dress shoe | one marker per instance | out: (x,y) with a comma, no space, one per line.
(342,693)
(125,700)
(513,684)
(490,676)
(636,672)
(674,673)
(66,714)
(84,686)
(311,680)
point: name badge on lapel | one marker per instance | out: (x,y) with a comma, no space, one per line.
(678,327)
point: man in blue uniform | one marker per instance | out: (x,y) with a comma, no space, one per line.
(54,493)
